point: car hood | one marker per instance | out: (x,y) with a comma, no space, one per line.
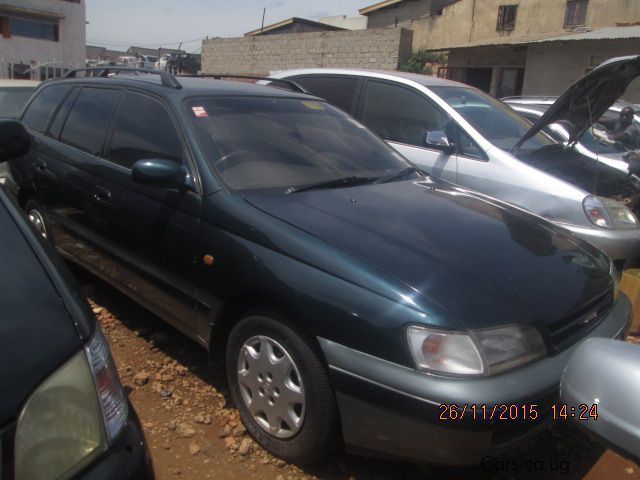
(589,98)
(481,262)
(37,333)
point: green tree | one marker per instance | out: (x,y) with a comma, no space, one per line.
(417,63)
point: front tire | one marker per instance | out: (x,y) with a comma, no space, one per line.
(281,388)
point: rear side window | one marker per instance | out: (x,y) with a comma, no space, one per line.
(86,125)
(400,114)
(39,112)
(142,130)
(338,91)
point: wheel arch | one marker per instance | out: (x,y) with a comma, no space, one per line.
(243,303)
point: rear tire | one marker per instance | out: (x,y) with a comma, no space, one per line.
(281,388)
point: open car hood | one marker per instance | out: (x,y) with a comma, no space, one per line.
(584,102)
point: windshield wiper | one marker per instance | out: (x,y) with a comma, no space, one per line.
(401,174)
(335,183)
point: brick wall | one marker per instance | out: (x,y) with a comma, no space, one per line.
(382,48)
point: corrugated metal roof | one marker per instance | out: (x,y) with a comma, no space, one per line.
(609,33)
(377,6)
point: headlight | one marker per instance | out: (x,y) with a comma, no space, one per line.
(607,213)
(480,352)
(72,416)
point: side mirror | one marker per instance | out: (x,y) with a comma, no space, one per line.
(438,140)
(605,373)
(14,140)
(157,172)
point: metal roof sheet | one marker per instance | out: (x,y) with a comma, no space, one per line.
(609,33)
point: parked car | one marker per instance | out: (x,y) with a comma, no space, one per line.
(595,143)
(63,413)
(607,119)
(458,133)
(185,63)
(128,61)
(598,373)
(147,61)
(162,61)
(340,285)
(13,97)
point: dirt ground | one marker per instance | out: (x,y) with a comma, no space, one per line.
(194,433)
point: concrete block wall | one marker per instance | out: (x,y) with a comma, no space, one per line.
(382,48)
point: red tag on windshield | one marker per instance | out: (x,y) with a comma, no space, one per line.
(199,112)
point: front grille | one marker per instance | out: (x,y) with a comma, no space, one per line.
(570,329)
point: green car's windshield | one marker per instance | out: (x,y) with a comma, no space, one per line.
(285,144)
(497,122)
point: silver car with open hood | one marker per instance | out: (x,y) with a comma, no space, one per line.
(460,134)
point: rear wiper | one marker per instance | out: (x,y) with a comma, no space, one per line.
(401,174)
(335,183)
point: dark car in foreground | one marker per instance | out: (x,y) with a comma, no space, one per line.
(350,295)
(63,413)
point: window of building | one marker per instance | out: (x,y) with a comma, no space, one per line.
(576,13)
(507,17)
(86,125)
(31,28)
(143,130)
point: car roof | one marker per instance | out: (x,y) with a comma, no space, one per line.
(425,80)
(191,86)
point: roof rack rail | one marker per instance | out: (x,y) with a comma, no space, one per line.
(166,78)
(296,87)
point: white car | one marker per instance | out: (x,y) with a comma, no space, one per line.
(460,134)
(595,143)
(147,61)
(13,97)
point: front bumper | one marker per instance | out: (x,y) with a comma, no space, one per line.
(391,410)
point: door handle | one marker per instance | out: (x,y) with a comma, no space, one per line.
(101,194)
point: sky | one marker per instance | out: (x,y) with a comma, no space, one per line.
(119,24)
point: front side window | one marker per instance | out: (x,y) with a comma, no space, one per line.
(507,17)
(87,122)
(576,13)
(400,114)
(143,130)
(39,111)
(281,144)
(494,120)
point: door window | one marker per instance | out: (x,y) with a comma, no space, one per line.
(143,130)
(338,91)
(86,125)
(39,111)
(400,114)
